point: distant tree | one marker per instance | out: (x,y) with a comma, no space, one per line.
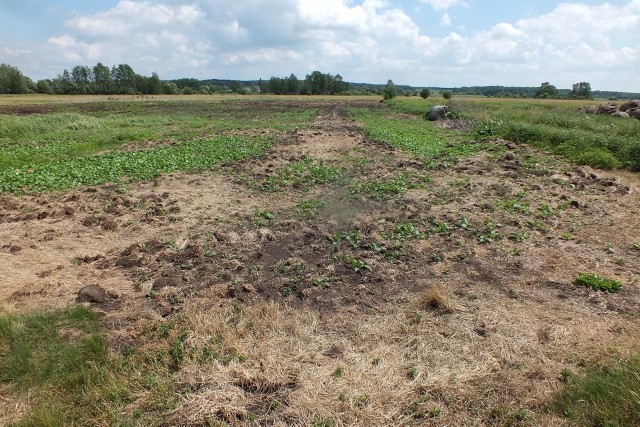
(581,90)
(390,91)
(12,80)
(546,90)
(424,93)
(155,85)
(293,85)
(82,77)
(447,94)
(43,86)
(169,88)
(102,78)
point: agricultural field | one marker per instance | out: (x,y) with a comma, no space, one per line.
(317,261)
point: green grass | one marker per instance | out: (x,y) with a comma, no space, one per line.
(129,166)
(606,396)
(57,361)
(82,144)
(600,141)
(598,283)
(302,174)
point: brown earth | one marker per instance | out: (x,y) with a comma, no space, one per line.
(471,318)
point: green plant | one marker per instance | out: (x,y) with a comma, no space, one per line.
(355,264)
(598,283)
(338,372)
(603,396)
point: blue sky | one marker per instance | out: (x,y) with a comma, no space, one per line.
(417,42)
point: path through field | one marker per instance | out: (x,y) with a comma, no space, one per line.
(341,280)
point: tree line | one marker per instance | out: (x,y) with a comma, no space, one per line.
(82,80)
(316,83)
(122,79)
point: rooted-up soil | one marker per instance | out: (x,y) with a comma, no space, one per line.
(449,302)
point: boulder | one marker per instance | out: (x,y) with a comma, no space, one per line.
(93,293)
(607,109)
(621,114)
(437,112)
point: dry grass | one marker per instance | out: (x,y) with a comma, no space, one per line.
(481,364)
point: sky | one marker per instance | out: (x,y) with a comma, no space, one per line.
(446,43)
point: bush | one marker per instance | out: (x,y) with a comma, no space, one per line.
(447,94)
(425,93)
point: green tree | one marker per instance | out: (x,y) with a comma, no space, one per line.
(12,80)
(447,94)
(424,93)
(102,78)
(293,85)
(43,86)
(581,90)
(155,85)
(390,91)
(546,90)
(169,88)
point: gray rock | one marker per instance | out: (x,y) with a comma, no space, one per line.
(437,112)
(621,114)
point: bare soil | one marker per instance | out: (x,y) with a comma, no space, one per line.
(447,330)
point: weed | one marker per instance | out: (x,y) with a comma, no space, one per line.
(309,208)
(519,236)
(406,231)
(355,264)
(598,283)
(517,205)
(412,373)
(338,372)
(489,233)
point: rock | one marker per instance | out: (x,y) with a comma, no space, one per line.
(163,282)
(437,112)
(621,114)
(589,109)
(607,108)
(635,113)
(93,294)
(14,249)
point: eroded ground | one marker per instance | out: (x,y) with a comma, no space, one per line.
(340,280)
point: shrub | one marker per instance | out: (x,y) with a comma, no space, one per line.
(447,94)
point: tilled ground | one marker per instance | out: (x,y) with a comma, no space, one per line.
(398,292)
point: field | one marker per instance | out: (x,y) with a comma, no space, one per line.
(317,261)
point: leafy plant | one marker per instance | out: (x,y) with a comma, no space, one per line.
(598,283)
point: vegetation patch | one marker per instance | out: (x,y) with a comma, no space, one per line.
(603,396)
(598,283)
(130,166)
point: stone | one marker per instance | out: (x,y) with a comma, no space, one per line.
(164,282)
(437,112)
(93,294)
(621,114)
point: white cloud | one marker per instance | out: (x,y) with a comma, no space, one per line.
(444,4)
(364,40)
